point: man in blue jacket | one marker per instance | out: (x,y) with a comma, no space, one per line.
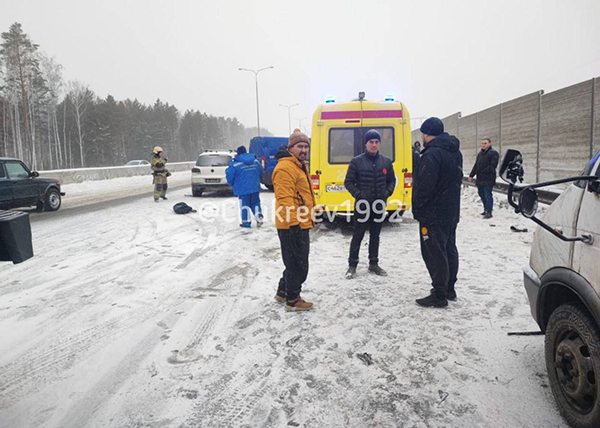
(243,175)
(436,206)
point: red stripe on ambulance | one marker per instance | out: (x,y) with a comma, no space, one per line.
(367,114)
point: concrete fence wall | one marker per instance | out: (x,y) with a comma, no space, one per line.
(557,133)
(79,175)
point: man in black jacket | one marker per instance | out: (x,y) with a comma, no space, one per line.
(485,170)
(370,180)
(436,206)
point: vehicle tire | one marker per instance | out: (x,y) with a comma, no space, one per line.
(40,206)
(269,186)
(572,351)
(196,192)
(52,201)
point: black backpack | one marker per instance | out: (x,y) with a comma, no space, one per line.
(183,208)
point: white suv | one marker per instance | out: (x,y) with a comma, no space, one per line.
(563,285)
(209,172)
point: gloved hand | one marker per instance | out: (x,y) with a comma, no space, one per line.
(166,160)
(168,174)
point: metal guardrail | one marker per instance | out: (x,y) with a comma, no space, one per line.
(544,196)
(79,175)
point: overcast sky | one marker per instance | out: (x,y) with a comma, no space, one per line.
(439,57)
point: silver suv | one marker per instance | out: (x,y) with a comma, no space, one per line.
(209,172)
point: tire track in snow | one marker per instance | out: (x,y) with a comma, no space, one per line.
(232,396)
(47,360)
(84,410)
(219,309)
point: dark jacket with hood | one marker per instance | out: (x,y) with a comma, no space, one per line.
(436,193)
(370,177)
(485,167)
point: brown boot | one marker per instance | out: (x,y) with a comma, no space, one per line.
(280,299)
(298,304)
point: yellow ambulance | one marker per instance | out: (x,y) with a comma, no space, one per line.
(337,137)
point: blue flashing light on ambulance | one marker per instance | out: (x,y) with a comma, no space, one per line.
(337,137)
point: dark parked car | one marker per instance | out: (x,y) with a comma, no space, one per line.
(20,187)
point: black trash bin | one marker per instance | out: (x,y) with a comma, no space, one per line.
(15,237)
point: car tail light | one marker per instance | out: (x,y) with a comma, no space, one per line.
(196,170)
(315,182)
(264,162)
(407,180)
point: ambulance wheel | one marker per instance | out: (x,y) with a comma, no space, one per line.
(196,192)
(269,186)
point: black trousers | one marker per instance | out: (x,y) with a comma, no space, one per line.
(295,247)
(438,247)
(373,223)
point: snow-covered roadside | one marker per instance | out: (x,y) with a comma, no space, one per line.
(78,194)
(135,316)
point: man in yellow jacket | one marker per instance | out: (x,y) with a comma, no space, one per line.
(294,217)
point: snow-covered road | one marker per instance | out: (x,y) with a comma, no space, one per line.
(133,316)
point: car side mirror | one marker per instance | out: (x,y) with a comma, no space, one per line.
(594,186)
(34,174)
(528,202)
(511,169)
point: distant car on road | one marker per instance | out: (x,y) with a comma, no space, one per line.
(21,187)
(209,172)
(137,163)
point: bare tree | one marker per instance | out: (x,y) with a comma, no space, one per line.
(53,74)
(81,97)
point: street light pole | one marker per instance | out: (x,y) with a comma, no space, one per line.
(256,82)
(300,121)
(289,117)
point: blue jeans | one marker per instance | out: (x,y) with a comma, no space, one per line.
(250,204)
(485,193)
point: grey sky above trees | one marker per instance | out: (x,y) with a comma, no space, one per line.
(437,56)
(50,124)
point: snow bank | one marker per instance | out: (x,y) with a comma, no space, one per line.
(80,175)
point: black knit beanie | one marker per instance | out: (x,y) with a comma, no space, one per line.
(372,134)
(432,126)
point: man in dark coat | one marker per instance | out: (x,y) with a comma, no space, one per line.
(436,206)
(485,170)
(371,181)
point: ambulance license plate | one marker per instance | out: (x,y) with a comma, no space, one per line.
(335,188)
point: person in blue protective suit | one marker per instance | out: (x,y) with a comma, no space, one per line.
(243,175)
